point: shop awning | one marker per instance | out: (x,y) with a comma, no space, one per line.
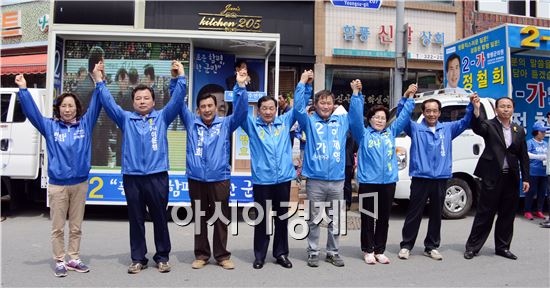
(26,64)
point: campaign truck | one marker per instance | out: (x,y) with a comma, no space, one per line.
(136,56)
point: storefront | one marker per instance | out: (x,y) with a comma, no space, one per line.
(24,42)
(360,44)
(293,20)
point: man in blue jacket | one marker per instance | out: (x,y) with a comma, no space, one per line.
(324,167)
(430,168)
(209,170)
(145,164)
(272,171)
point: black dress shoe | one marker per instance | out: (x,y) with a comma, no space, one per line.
(506,254)
(258,264)
(469,254)
(283,261)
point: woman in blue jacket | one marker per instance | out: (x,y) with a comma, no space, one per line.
(68,142)
(272,171)
(536,148)
(377,167)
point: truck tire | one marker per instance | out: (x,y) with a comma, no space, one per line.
(458,199)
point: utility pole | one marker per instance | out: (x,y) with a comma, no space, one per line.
(400,58)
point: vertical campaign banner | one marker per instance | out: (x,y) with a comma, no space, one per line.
(478,63)
(58,69)
(531,86)
(210,69)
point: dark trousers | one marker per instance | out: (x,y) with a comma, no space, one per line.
(375,240)
(149,191)
(208,194)
(347,185)
(277,193)
(501,198)
(537,186)
(421,189)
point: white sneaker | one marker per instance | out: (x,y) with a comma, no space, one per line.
(404,254)
(382,259)
(434,254)
(369,258)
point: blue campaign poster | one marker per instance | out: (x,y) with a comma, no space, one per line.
(210,69)
(531,37)
(107,188)
(531,86)
(478,63)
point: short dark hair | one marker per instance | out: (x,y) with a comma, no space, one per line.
(505,98)
(239,63)
(323,94)
(264,99)
(209,89)
(431,100)
(95,55)
(119,73)
(547,114)
(377,108)
(149,70)
(143,87)
(451,58)
(133,76)
(204,97)
(60,99)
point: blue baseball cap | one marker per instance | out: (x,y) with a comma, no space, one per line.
(539,126)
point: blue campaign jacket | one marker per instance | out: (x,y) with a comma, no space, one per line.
(68,145)
(145,142)
(325,150)
(431,153)
(536,167)
(208,148)
(271,149)
(377,162)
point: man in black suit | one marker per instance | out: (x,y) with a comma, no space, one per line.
(499,167)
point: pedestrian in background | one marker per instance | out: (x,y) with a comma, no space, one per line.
(538,180)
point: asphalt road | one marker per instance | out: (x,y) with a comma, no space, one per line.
(26,257)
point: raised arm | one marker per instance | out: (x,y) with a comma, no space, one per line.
(94,108)
(29,107)
(356,111)
(459,126)
(177,93)
(301,97)
(111,108)
(240,99)
(403,118)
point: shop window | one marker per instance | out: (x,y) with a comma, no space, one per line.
(376,85)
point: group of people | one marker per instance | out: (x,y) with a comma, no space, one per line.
(145,165)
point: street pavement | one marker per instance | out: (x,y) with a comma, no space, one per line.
(26,257)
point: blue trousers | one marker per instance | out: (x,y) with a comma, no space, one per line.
(149,191)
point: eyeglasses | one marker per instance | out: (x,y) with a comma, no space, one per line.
(380,118)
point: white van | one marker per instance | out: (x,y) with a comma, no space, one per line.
(21,148)
(462,188)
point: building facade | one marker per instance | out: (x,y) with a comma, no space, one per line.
(360,44)
(24,41)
